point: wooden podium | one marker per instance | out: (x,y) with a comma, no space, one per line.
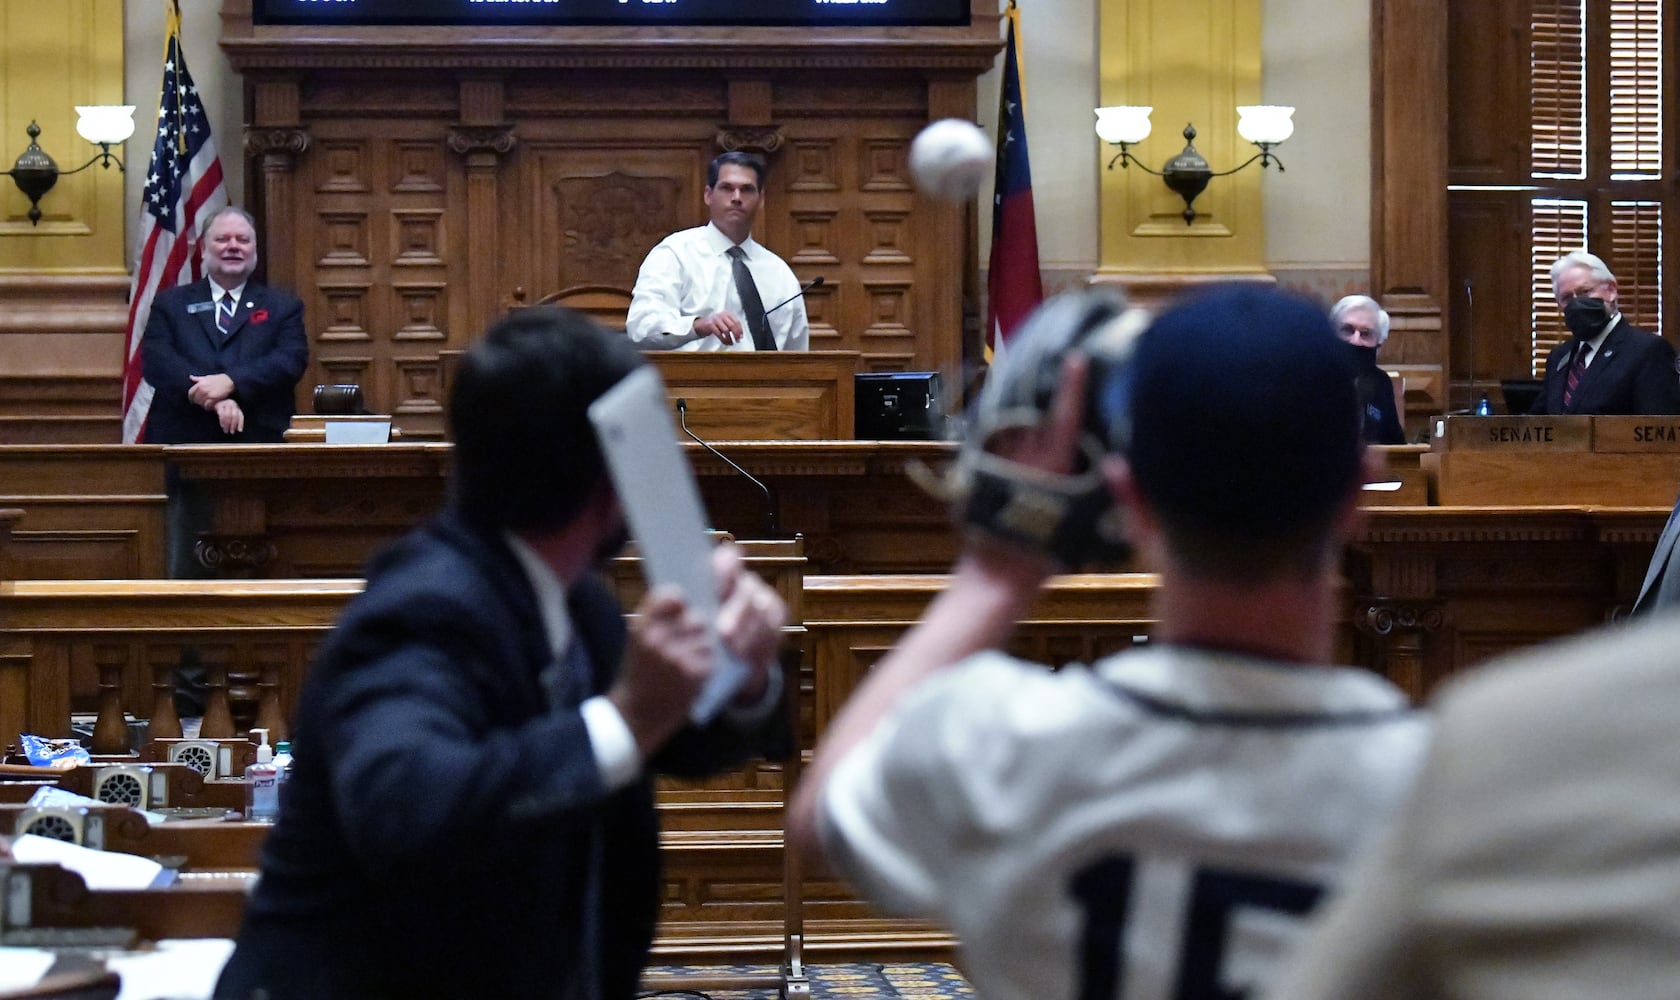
(769,396)
(1563,460)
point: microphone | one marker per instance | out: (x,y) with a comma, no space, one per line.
(769,497)
(816,282)
(1470,334)
(1478,402)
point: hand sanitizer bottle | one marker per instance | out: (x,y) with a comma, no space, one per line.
(262,784)
(283,760)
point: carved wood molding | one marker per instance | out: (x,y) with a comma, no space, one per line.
(970,48)
(973,55)
(764,140)
(39,303)
(289,143)
(279,461)
(234,555)
(1409,100)
(498,140)
(1490,524)
(1385,618)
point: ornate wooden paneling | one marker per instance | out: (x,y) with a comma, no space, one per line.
(380,262)
(415,182)
(781,396)
(1490,230)
(89,511)
(1409,120)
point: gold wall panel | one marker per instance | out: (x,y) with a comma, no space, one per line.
(54,56)
(1194,61)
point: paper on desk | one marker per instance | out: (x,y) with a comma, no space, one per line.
(656,488)
(99,869)
(178,969)
(23,967)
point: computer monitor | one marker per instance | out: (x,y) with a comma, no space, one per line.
(1519,394)
(898,406)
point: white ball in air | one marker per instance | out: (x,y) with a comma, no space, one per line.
(950,158)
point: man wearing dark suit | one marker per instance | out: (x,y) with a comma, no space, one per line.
(470,812)
(1608,366)
(223,355)
(1363,325)
(1661,588)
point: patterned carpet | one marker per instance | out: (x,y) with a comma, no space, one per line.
(832,982)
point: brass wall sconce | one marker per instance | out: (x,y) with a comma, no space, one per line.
(1187,174)
(35,173)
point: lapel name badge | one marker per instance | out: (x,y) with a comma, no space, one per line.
(199,307)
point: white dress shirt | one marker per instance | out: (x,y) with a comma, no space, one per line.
(234,295)
(609,736)
(688,276)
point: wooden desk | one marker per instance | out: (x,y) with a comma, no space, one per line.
(89,511)
(770,396)
(203,844)
(309,511)
(210,904)
(750,396)
(316,511)
(111,646)
(1599,461)
(1403,470)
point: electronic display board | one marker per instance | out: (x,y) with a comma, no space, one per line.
(612,12)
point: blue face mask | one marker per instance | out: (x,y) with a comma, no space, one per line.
(1586,316)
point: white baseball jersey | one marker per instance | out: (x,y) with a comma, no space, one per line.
(1150,829)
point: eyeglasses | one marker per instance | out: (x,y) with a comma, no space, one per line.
(1350,331)
(1594,290)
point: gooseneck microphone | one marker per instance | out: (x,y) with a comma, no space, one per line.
(769,497)
(816,282)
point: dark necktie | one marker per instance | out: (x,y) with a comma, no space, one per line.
(1577,371)
(570,682)
(751,304)
(224,315)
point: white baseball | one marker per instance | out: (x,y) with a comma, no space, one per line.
(950,158)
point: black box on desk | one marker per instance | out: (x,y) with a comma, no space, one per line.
(898,406)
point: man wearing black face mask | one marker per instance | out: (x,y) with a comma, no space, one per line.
(1608,366)
(1363,326)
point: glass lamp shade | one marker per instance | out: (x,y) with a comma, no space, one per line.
(1127,123)
(1267,123)
(107,124)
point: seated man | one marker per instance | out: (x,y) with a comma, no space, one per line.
(1609,366)
(1155,825)
(1363,326)
(714,287)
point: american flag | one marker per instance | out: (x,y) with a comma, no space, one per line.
(183,185)
(1014,287)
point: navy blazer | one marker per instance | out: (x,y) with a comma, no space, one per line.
(439,831)
(264,353)
(1634,373)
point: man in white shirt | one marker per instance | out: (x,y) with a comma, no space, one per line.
(715,288)
(1157,825)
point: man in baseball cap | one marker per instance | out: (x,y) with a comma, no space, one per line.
(1159,823)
